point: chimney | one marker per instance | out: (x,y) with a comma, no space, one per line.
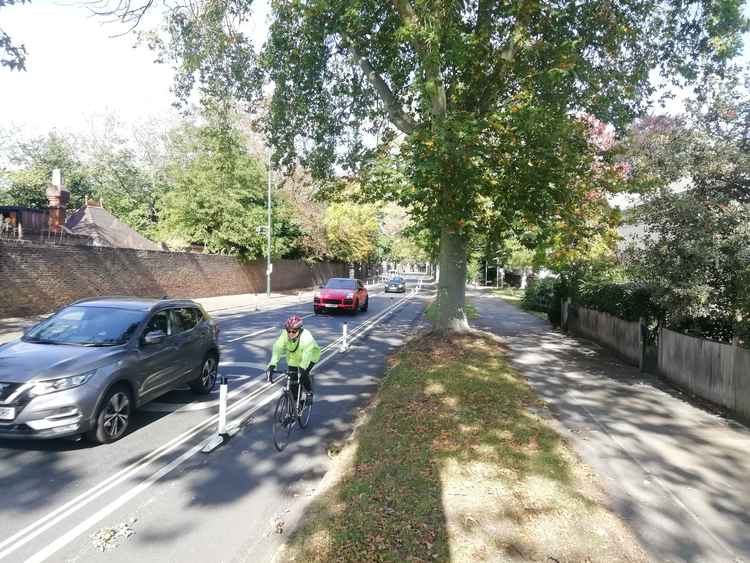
(58,198)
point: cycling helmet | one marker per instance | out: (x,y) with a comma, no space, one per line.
(293,323)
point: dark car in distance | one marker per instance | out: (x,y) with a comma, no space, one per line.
(85,369)
(396,284)
(345,294)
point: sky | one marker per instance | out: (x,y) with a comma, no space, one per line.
(76,70)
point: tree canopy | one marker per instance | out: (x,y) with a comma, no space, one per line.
(694,173)
(482,95)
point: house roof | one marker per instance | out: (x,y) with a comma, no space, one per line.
(106,230)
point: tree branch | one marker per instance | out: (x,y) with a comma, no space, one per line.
(430,60)
(397,115)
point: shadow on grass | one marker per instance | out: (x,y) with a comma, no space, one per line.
(448,406)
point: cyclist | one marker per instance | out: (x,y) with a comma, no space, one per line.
(301,351)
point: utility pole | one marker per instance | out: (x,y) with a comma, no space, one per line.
(269,266)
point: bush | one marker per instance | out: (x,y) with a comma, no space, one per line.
(554,314)
(629,301)
(539,295)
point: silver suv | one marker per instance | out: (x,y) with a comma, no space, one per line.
(86,369)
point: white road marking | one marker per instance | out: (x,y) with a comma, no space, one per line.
(262,331)
(72,534)
(160,406)
(254,365)
(33,530)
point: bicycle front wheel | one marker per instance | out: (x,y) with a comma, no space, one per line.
(304,415)
(283,421)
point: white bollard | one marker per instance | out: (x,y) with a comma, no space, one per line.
(221,436)
(223,407)
(255,300)
(344,343)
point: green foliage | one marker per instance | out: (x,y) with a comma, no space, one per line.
(539,295)
(30,171)
(579,278)
(694,251)
(485,93)
(629,301)
(12,55)
(352,231)
(217,198)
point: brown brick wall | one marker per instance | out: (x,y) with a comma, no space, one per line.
(37,278)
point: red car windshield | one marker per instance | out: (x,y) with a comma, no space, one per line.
(340,283)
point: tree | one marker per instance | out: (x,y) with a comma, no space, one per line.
(12,55)
(217,198)
(130,187)
(696,212)
(483,93)
(30,171)
(352,231)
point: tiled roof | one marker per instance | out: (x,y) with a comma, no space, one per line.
(106,230)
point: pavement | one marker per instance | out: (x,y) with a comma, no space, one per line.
(676,473)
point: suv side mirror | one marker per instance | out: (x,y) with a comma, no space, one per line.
(154,337)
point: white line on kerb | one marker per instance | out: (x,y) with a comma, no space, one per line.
(25,535)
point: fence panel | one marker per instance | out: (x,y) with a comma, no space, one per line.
(741,374)
(621,336)
(712,370)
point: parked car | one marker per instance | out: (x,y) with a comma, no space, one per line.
(89,366)
(396,284)
(341,294)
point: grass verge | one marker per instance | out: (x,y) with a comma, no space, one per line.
(514,296)
(431,312)
(451,463)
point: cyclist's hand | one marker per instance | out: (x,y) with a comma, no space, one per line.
(269,374)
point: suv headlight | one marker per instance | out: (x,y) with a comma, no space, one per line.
(350,295)
(47,386)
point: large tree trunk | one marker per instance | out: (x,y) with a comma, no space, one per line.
(452,283)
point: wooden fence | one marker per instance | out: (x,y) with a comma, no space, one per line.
(712,370)
(624,337)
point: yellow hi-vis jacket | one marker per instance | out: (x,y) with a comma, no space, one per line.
(298,354)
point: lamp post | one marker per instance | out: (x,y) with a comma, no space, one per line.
(269,266)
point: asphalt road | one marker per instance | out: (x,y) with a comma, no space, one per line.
(57,497)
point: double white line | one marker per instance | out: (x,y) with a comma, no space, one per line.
(24,536)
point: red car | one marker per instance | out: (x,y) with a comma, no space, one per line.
(341,293)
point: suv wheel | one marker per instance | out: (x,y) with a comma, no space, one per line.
(206,382)
(113,418)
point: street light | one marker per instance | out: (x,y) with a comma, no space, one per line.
(269,266)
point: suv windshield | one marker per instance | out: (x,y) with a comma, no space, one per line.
(87,326)
(396,280)
(340,283)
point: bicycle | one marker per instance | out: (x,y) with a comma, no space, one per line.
(289,412)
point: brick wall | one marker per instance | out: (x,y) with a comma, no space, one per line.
(38,278)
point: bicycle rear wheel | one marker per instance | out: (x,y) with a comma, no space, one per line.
(304,415)
(283,421)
